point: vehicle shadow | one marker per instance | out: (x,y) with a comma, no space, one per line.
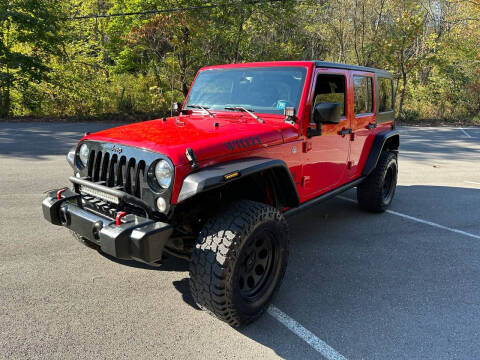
(169,263)
(396,282)
(39,140)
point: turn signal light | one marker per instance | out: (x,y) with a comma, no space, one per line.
(231,175)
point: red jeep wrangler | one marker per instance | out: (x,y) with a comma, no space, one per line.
(252,144)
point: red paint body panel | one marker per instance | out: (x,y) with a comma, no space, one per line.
(317,165)
(173,136)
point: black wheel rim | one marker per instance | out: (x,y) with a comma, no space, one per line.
(388,184)
(256,264)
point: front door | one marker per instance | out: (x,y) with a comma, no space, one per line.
(326,155)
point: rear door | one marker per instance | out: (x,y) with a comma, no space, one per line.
(363,121)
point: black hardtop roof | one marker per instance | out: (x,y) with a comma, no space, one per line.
(333,65)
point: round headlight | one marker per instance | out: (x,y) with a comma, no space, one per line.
(163,173)
(83,154)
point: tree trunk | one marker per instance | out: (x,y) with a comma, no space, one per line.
(184,85)
(238,40)
(402,93)
(4,103)
(182,63)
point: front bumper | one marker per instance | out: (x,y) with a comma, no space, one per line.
(135,238)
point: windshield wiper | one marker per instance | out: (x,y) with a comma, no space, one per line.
(202,108)
(242,109)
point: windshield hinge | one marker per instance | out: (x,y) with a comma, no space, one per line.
(290,117)
(192,159)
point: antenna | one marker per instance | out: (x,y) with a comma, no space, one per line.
(172,79)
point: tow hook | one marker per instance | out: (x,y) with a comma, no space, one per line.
(118,218)
(59,193)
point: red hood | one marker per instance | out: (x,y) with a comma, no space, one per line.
(234,133)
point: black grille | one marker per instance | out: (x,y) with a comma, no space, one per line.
(117,171)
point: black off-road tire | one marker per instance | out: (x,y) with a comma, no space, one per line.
(227,247)
(376,192)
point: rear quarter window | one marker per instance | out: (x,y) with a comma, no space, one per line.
(384,94)
(363,94)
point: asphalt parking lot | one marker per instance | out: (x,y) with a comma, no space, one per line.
(401,285)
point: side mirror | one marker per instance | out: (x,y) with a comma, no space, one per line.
(326,113)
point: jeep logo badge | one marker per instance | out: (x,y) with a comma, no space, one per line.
(116,149)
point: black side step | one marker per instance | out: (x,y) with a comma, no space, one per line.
(324,197)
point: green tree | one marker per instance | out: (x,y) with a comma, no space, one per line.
(30,29)
(402,43)
(141,63)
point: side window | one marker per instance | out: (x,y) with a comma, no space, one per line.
(363,93)
(330,89)
(385,94)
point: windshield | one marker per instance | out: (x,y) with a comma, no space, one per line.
(262,90)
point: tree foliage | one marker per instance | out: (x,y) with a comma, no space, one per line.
(30,29)
(142,63)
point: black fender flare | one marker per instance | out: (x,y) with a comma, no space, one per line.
(386,139)
(215,176)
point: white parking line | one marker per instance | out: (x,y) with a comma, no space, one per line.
(472,182)
(306,335)
(466,134)
(423,221)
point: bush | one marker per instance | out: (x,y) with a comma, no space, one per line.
(126,103)
(408,116)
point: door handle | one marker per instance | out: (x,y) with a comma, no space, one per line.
(344,132)
(371,126)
